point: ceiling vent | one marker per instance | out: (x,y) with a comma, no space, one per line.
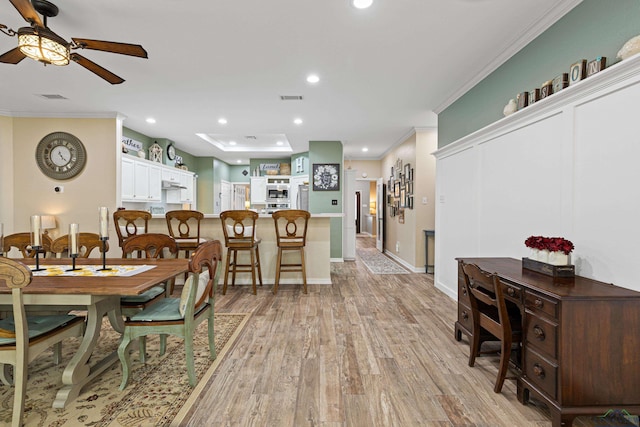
(52,96)
(250,137)
(291,97)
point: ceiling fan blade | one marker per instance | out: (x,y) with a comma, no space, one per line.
(27,11)
(13,56)
(113,47)
(96,69)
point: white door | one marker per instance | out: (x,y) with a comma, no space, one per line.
(239,196)
(225,196)
(380,206)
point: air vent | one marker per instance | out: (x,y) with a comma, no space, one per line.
(291,97)
(250,137)
(52,96)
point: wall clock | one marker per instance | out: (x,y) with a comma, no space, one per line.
(61,155)
(171,152)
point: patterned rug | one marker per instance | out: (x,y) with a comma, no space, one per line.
(156,392)
(378,263)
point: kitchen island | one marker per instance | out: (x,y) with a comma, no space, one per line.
(317,252)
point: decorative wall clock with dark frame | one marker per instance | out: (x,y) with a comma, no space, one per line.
(61,155)
(326,176)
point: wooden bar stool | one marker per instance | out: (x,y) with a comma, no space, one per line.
(184,227)
(291,235)
(239,228)
(130,223)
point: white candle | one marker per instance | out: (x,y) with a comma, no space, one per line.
(104,221)
(36,231)
(74,230)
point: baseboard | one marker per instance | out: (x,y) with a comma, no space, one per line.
(336,260)
(404,263)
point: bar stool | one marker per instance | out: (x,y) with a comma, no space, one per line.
(184,227)
(239,228)
(130,223)
(291,235)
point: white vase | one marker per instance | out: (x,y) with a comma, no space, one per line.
(543,255)
(533,254)
(558,258)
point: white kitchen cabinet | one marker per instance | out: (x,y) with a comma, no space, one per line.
(183,193)
(141,181)
(258,190)
(127,179)
(171,175)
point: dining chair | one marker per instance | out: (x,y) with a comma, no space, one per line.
(239,229)
(489,313)
(130,223)
(291,235)
(87,242)
(149,245)
(22,242)
(179,316)
(184,226)
(23,337)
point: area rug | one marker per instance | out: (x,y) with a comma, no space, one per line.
(379,263)
(156,393)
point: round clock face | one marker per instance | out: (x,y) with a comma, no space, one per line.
(171,152)
(60,155)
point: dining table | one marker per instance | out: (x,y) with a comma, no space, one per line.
(96,292)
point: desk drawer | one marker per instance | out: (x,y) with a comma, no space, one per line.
(539,304)
(512,292)
(464,317)
(541,373)
(541,334)
(462,293)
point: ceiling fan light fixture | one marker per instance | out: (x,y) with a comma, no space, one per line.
(43,45)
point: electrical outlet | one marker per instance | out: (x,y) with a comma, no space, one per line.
(424,200)
(334,202)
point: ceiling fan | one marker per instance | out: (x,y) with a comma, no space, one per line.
(40,43)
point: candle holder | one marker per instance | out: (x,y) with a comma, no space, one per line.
(73,263)
(104,254)
(37,251)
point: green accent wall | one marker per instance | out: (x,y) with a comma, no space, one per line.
(235,173)
(204,165)
(593,28)
(320,201)
(305,164)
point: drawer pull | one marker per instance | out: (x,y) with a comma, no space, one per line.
(539,333)
(465,315)
(538,371)
(538,303)
(511,292)
(464,291)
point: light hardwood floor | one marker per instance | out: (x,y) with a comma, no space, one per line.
(368,350)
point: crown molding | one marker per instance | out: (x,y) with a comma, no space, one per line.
(63,115)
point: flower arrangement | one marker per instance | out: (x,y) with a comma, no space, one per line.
(551,244)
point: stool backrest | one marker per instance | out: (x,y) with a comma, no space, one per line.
(291,227)
(184,224)
(239,227)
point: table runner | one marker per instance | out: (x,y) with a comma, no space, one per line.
(92,270)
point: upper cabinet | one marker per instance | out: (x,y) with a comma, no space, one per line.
(258,190)
(143,181)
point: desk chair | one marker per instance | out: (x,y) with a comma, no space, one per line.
(22,242)
(130,223)
(490,314)
(179,316)
(87,242)
(184,227)
(239,229)
(23,337)
(291,235)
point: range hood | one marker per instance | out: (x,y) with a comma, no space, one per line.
(172,185)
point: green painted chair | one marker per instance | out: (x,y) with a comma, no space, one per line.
(179,316)
(23,337)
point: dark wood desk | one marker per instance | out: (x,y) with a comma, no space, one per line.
(581,343)
(99,296)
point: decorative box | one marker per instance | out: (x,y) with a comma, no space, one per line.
(549,269)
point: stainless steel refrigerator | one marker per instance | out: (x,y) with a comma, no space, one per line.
(302,200)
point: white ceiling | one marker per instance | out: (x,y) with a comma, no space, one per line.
(384,70)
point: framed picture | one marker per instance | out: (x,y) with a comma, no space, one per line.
(409,188)
(326,176)
(403,200)
(411,175)
(409,202)
(407,171)
(396,190)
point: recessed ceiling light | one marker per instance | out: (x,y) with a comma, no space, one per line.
(279,143)
(365,149)
(239,161)
(361,4)
(222,121)
(313,78)
(151,120)
(232,143)
(297,121)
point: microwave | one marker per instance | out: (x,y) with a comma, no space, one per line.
(275,193)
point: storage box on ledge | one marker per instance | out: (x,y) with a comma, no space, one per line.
(549,269)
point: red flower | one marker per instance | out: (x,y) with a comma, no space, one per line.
(552,244)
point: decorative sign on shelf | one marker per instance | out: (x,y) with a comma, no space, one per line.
(131,144)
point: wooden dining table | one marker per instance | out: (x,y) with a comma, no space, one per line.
(99,296)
